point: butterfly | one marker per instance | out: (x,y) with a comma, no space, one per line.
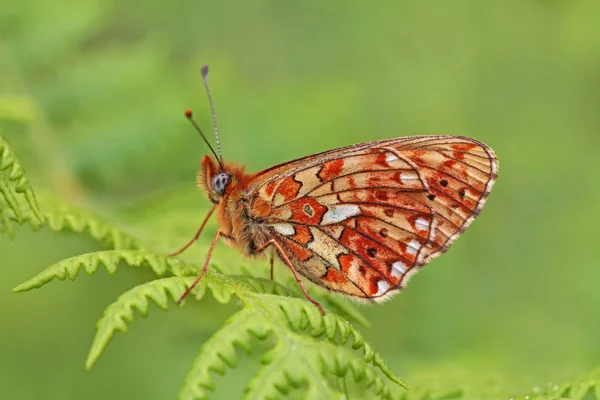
(358,220)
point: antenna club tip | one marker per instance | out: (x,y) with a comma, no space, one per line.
(188,113)
(204,70)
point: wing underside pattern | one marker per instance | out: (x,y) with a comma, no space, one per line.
(361,219)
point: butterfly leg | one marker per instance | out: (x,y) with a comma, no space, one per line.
(272,261)
(184,248)
(208,256)
(287,261)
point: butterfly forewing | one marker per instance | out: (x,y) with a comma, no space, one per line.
(361,219)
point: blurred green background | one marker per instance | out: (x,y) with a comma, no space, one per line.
(92,94)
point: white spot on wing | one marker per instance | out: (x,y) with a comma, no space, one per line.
(382,287)
(407,177)
(398,269)
(390,157)
(284,229)
(340,213)
(413,247)
(421,224)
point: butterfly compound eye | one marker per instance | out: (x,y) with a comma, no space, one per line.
(220,182)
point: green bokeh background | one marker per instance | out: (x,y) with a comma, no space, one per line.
(91,100)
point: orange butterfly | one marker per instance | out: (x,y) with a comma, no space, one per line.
(358,220)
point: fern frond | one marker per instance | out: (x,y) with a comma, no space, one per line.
(585,388)
(219,353)
(90,262)
(301,316)
(116,315)
(158,291)
(341,306)
(17,194)
(331,301)
(285,369)
(310,349)
(299,359)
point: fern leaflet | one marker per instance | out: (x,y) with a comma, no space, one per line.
(18,201)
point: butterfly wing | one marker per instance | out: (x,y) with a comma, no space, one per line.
(361,219)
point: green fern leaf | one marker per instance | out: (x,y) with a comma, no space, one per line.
(308,349)
(16,192)
(299,359)
(219,353)
(116,315)
(585,388)
(90,262)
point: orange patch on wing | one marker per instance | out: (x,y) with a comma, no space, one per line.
(301,206)
(449,164)
(416,155)
(381,159)
(300,252)
(271,188)
(459,155)
(331,169)
(334,276)
(398,178)
(463,146)
(302,235)
(381,195)
(346,262)
(377,179)
(351,182)
(289,188)
(261,208)
(361,274)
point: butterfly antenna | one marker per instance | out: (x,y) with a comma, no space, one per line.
(212,109)
(188,114)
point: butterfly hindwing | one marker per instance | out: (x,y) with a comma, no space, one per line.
(361,219)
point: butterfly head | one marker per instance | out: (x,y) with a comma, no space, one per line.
(229,181)
(214,180)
